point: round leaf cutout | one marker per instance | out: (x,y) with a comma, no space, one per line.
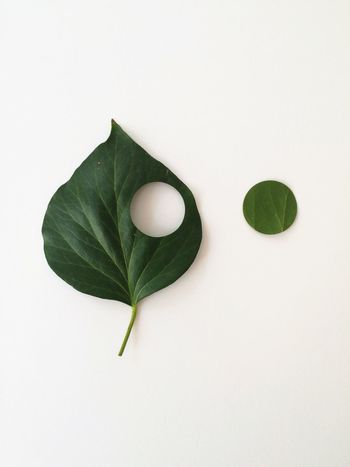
(270,207)
(90,240)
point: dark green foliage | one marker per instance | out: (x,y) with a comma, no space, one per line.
(90,240)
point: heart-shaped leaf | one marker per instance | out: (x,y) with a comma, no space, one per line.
(90,240)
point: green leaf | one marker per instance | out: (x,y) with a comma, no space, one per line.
(270,207)
(90,240)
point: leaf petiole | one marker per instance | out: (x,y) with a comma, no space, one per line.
(128,331)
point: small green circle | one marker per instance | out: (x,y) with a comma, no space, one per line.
(270,207)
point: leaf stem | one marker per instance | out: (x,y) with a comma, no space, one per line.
(128,331)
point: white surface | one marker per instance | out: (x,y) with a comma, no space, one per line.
(244,361)
(157,209)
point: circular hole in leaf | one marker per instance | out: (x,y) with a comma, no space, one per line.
(157,209)
(270,207)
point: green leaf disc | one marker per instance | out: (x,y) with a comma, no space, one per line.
(270,207)
(90,240)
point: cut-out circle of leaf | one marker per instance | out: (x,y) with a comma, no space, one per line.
(270,207)
(90,240)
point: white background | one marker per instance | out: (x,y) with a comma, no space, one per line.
(245,360)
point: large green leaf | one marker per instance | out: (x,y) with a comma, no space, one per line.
(270,207)
(90,240)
